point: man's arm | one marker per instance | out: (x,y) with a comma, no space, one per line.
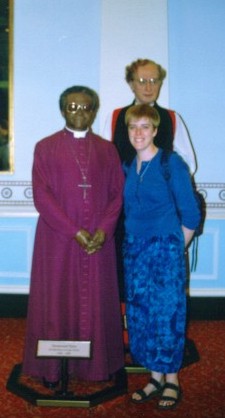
(183,145)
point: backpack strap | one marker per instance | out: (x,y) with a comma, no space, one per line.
(165,164)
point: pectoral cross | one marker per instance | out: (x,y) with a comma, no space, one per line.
(85,186)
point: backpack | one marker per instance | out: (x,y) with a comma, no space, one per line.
(200,202)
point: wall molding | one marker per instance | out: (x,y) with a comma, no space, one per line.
(14,289)
(16,193)
(214,194)
(19,193)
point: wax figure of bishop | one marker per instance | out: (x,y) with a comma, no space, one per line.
(77,187)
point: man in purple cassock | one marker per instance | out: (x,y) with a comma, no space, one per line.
(77,188)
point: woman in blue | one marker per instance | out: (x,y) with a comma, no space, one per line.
(160,218)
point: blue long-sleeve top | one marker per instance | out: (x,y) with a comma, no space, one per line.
(156,206)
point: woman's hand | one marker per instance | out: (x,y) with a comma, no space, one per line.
(188,235)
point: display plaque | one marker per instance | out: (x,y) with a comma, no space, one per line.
(64,349)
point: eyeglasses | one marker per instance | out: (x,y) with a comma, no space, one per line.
(145,81)
(74,107)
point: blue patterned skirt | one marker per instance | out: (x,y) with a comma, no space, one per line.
(155,279)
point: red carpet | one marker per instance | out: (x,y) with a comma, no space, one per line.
(203,382)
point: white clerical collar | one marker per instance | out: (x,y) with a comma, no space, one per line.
(77,134)
(150,104)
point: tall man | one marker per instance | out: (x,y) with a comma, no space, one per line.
(145,78)
(77,187)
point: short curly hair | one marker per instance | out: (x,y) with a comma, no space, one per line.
(130,69)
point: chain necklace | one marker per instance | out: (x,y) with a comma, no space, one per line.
(84,172)
(139,181)
(144,171)
(142,174)
(140,177)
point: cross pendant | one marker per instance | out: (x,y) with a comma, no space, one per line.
(84,186)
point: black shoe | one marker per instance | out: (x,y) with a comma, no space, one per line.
(144,397)
(173,401)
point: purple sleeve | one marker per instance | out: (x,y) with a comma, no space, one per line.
(44,199)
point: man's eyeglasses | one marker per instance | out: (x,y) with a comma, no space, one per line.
(145,81)
(74,107)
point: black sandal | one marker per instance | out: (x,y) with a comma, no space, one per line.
(170,398)
(144,397)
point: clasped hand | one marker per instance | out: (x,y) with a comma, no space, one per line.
(90,243)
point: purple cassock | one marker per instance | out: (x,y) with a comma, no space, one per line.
(77,183)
